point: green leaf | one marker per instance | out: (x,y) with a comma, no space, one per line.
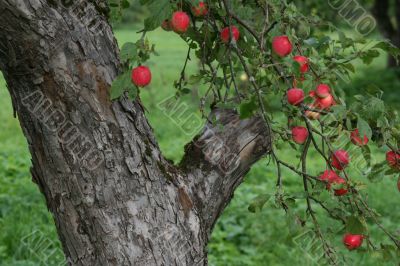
(313,42)
(382,122)
(350,67)
(346,42)
(121,84)
(247,109)
(364,128)
(356,225)
(221,55)
(339,111)
(374,90)
(195,79)
(375,108)
(296,68)
(128,52)
(292,222)
(159,10)
(359,98)
(258,203)
(390,48)
(185,90)
(392,172)
(290,202)
(368,56)
(377,172)
(366,152)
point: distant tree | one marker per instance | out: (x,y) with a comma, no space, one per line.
(386,13)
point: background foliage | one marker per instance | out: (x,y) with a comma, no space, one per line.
(240,237)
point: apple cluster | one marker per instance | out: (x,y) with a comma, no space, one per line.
(179,23)
(323,99)
(322,96)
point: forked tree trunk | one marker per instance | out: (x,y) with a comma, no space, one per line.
(115,199)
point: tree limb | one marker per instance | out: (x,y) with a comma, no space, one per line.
(223,153)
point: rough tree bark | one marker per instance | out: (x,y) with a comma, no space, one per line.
(115,199)
(389,28)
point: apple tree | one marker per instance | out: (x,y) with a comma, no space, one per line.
(116,199)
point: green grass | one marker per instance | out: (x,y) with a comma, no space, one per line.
(22,207)
(240,237)
(165,69)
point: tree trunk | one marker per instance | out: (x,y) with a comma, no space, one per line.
(388,29)
(115,199)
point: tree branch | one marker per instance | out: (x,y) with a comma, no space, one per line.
(225,152)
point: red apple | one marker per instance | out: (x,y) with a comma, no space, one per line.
(339,191)
(295,96)
(299,134)
(331,177)
(356,139)
(325,103)
(328,176)
(281,45)
(141,76)
(352,241)
(180,21)
(303,61)
(323,91)
(200,10)
(166,25)
(225,34)
(393,159)
(340,159)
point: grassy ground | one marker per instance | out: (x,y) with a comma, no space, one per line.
(240,237)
